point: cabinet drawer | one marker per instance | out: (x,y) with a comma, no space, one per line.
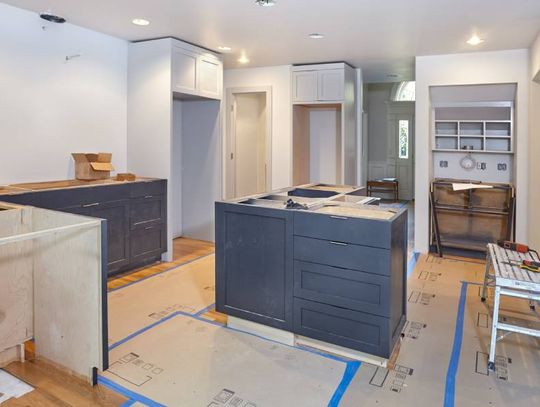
(345,288)
(148,242)
(344,255)
(352,329)
(369,232)
(148,188)
(147,211)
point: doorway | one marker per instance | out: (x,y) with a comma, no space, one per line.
(248,142)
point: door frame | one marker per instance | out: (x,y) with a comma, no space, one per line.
(230,146)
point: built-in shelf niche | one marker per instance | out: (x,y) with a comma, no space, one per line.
(473,133)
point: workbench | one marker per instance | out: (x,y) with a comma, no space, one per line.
(509,279)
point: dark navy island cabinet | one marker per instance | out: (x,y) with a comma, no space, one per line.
(254,267)
(136,215)
(337,279)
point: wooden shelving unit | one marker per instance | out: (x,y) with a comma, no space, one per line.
(486,136)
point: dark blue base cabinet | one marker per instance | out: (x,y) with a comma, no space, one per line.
(337,279)
(135,214)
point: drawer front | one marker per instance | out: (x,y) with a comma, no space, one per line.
(369,232)
(148,188)
(344,255)
(147,211)
(351,329)
(148,242)
(345,288)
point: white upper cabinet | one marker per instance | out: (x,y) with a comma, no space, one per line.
(304,86)
(331,84)
(184,71)
(318,83)
(210,76)
(196,71)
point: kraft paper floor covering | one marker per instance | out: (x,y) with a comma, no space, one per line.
(185,361)
(188,288)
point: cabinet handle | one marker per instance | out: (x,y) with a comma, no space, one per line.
(92,204)
(339,243)
(147,196)
(339,217)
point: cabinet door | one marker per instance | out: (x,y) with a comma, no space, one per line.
(184,71)
(117,215)
(304,86)
(210,72)
(147,243)
(254,264)
(331,83)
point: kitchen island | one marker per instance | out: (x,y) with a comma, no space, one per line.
(314,262)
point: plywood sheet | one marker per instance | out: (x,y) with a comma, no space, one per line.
(356,212)
(187,362)
(189,288)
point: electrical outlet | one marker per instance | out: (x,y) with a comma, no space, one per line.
(501,166)
(443,164)
(483,166)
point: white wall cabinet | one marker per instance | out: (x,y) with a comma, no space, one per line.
(196,72)
(318,83)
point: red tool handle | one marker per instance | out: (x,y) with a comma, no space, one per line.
(518,247)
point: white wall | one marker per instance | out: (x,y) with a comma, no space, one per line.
(378,96)
(324,134)
(534,145)
(460,69)
(50,108)
(279,78)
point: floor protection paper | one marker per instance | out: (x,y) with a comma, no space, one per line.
(184,361)
(443,355)
(188,288)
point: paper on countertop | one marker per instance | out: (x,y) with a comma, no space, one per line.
(462,187)
(11,387)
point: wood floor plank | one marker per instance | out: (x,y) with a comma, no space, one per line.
(57,388)
(184,250)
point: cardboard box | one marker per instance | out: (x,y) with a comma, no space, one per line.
(91,166)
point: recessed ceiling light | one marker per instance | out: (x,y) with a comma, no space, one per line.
(475,40)
(316,36)
(140,21)
(265,3)
(243,59)
(224,48)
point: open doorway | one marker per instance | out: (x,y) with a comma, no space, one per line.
(249,135)
(390,126)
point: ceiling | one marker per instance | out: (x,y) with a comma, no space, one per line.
(382,37)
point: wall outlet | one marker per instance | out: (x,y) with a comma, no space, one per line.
(483,166)
(501,166)
(443,164)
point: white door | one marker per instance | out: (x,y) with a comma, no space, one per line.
(305,86)
(184,75)
(401,146)
(210,74)
(249,141)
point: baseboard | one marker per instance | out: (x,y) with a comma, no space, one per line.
(267,332)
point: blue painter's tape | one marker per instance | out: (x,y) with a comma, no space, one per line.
(348,375)
(161,272)
(450,387)
(135,397)
(204,310)
(412,263)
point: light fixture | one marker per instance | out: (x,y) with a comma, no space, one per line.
(316,36)
(243,59)
(475,40)
(265,3)
(224,48)
(140,21)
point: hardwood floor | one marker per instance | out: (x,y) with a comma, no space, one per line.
(54,387)
(184,250)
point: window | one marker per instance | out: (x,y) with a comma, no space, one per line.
(405,91)
(403,139)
